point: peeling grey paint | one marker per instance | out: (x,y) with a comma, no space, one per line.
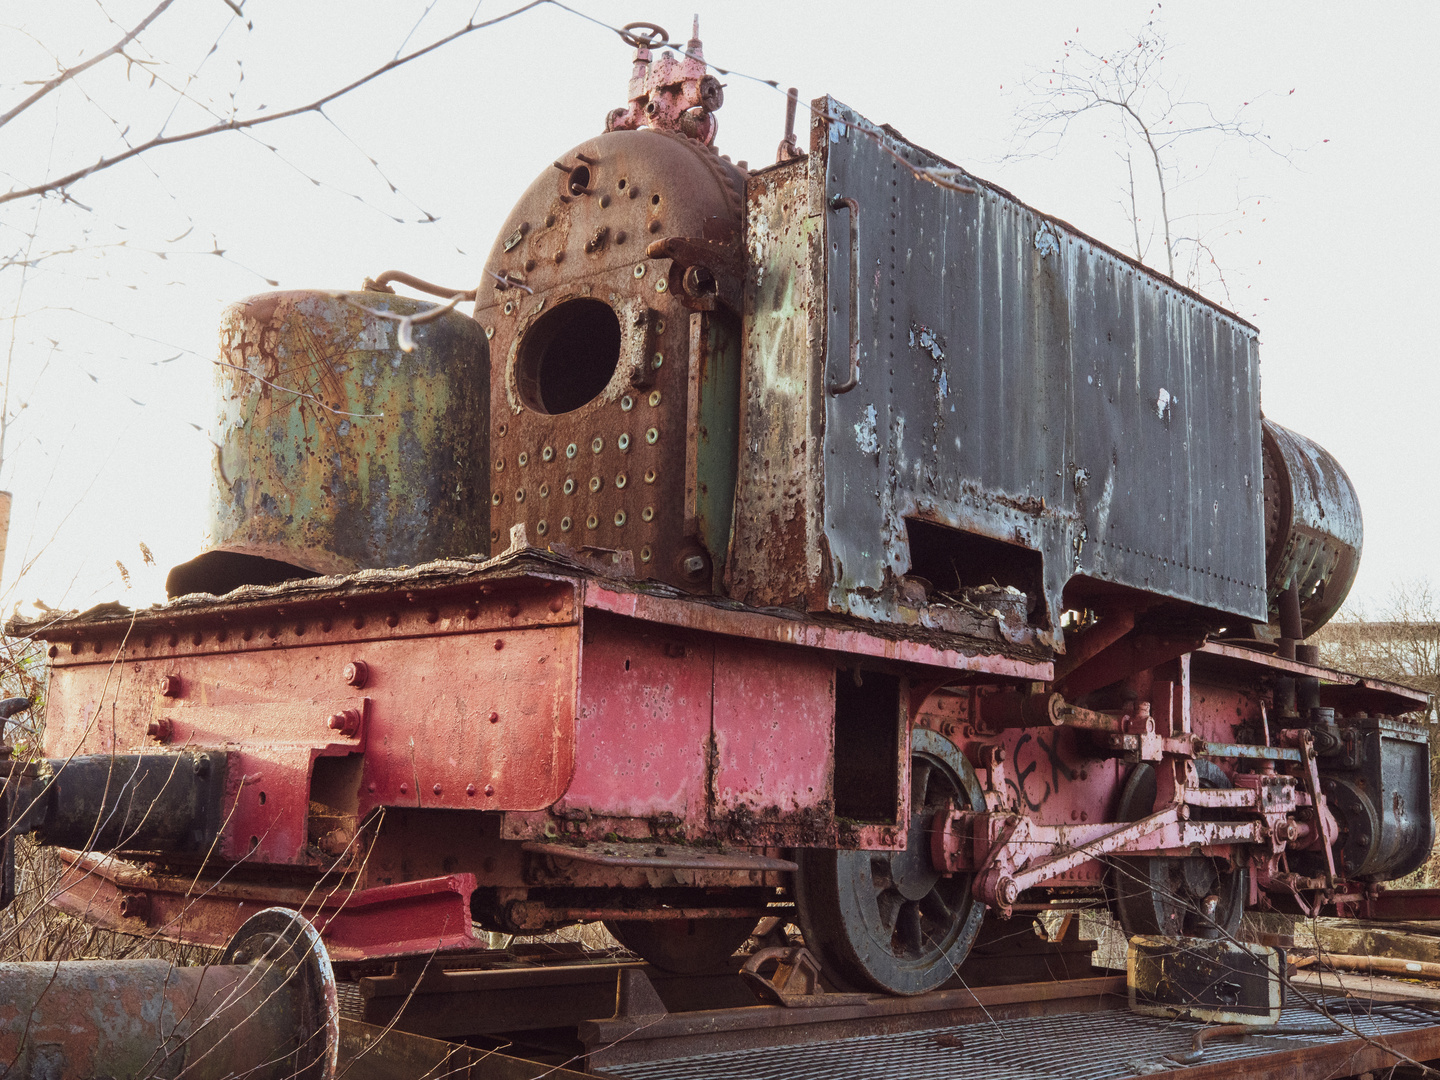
(866,436)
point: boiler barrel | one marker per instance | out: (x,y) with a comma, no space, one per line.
(336,449)
(1313,528)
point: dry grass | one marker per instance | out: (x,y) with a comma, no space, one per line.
(32,929)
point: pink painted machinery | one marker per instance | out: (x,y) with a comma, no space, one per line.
(868,600)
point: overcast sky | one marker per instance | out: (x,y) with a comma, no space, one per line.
(109,366)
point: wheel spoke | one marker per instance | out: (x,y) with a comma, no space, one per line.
(1200,877)
(934,906)
(889,904)
(907,927)
(880,871)
(919,782)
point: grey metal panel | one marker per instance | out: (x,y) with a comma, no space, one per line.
(1021,381)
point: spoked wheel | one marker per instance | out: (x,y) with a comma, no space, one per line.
(683,946)
(1166,896)
(887,920)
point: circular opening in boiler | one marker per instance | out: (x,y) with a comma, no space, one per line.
(568,356)
(579,180)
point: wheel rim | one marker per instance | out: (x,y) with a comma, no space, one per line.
(887,920)
(1168,896)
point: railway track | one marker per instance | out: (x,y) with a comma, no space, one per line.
(528,1015)
(1027,1004)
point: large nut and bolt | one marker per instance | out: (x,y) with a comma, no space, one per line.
(1007,891)
(347,723)
(357,673)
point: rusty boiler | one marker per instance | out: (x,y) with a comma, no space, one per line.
(337,449)
(614,305)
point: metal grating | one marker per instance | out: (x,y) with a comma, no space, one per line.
(1074,1046)
(352,1006)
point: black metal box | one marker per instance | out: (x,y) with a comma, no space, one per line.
(952,385)
(1218,981)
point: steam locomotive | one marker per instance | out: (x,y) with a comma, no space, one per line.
(842,541)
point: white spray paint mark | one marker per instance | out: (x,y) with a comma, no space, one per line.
(1102,505)
(1163,403)
(866,436)
(1045,241)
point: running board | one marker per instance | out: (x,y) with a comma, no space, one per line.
(657,856)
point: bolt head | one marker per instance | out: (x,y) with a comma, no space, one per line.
(694,565)
(357,673)
(170,686)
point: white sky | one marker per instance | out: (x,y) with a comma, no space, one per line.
(1335,261)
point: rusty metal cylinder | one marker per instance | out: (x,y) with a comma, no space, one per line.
(1313,528)
(269,1017)
(337,449)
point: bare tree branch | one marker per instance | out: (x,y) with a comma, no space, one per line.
(1128,90)
(60,183)
(70,73)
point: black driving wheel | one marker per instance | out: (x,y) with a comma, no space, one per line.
(1167,896)
(682,946)
(887,920)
